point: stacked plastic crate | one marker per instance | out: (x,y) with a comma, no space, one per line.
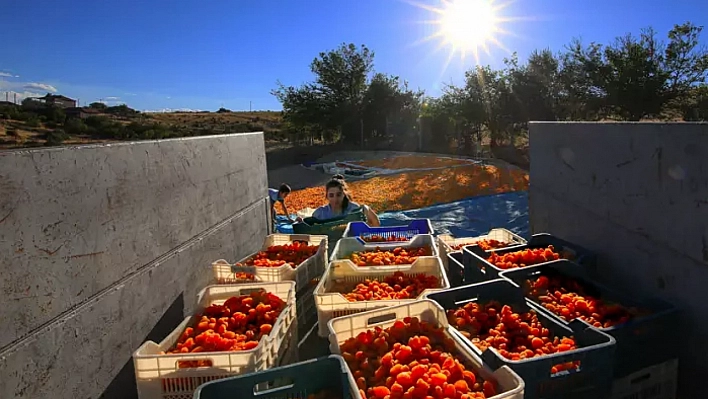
(312,254)
(218,341)
(645,363)
(451,247)
(547,330)
(641,367)
(393,258)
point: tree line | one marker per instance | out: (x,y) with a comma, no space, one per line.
(635,77)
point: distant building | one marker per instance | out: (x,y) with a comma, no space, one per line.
(56,100)
(80,113)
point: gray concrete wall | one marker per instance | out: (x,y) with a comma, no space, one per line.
(636,193)
(97,242)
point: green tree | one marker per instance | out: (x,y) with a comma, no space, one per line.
(338,91)
(98,106)
(686,63)
(580,97)
(535,87)
(633,78)
(390,108)
(638,77)
(121,110)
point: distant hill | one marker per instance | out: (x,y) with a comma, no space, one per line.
(270,122)
(30,125)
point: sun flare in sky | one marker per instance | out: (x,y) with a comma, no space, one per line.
(467,27)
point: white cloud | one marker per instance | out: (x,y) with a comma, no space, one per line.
(40,86)
(8,75)
(112,98)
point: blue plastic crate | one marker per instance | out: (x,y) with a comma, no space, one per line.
(595,348)
(365,232)
(477,269)
(295,381)
(650,336)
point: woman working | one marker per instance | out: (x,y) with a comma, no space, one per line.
(340,203)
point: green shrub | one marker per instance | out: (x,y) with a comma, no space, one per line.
(32,121)
(55,137)
(75,127)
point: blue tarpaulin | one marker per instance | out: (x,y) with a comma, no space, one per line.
(466,218)
(471,217)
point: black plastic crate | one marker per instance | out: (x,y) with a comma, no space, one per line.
(595,353)
(455,269)
(477,268)
(295,381)
(641,342)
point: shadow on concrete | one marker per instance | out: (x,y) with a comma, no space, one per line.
(123,386)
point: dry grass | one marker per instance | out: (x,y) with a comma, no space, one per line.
(226,122)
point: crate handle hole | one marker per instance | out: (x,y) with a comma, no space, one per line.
(640,379)
(270,387)
(194,364)
(237,267)
(380,319)
(249,291)
(565,368)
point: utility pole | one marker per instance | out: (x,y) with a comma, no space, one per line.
(250,107)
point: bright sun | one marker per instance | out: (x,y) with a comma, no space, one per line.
(468,24)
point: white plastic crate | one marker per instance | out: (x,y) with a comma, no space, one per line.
(310,269)
(654,382)
(340,329)
(348,245)
(225,273)
(331,304)
(159,376)
(446,241)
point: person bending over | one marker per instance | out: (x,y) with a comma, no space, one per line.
(279,196)
(340,203)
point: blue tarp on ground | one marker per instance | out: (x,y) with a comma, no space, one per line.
(471,217)
(466,218)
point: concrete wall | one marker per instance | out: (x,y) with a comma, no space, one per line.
(97,242)
(637,193)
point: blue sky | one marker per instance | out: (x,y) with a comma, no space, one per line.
(185,54)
